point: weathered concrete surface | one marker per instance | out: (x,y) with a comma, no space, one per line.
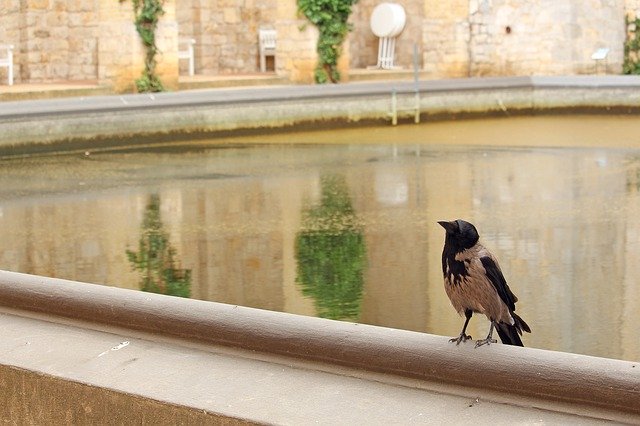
(54,373)
(112,120)
(112,355)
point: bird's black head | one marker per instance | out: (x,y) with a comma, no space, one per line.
(460,234)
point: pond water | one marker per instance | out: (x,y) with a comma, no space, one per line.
(342,224)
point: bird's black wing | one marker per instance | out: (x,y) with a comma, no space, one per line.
(494,274)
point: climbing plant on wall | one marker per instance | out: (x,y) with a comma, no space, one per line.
(631,63)
(147,13)
(330,17)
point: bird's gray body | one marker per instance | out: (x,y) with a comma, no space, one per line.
(474,291)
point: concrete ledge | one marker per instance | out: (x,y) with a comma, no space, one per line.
(583,381)
(17,92)
(100,121)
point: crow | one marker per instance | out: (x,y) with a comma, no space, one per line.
(474,283)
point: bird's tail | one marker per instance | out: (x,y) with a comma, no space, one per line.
(510,334)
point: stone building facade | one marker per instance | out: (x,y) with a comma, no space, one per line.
(62,40)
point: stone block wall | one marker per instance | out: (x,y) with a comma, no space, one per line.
(632,8)
(120,54)
(226,32)
(10,34)
(512,37)
(62,40)
(167,42)
(445,38)
(54,39)
(516,37)
(296,55)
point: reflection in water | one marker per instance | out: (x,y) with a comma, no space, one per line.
(330,252)
(155,257)
(564,223)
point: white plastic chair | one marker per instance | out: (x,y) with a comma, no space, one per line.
(7,61)
(267,45)
(601,55)
(188,53)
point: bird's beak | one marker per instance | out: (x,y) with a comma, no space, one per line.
(448,226)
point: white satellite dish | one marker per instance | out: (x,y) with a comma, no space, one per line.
(387,21)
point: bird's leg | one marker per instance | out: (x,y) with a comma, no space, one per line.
(463,337)
(489,338)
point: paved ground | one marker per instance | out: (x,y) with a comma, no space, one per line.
(91,88)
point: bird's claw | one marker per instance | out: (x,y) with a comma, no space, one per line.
(486,341)
(461,338)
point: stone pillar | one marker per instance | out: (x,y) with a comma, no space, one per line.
(121,53)
(167,41)
(445,38)
(296,55)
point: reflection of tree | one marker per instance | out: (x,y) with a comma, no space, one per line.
(633,174)
(155,257)
(331,253)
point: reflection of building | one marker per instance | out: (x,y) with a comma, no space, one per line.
(389,199)
(234,242)
(627,321)
(74,237)
(97,41)
(563,224)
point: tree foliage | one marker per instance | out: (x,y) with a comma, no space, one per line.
(631,64)
(155,258)
(331,254)
(330,17)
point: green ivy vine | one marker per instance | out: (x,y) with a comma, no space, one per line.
(631,63)
(330,17)
(147,14)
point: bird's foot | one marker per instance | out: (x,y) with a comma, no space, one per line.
(461,338)
(486,341)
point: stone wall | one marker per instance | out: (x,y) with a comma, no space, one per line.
(95,40)
(53,39)
(632,8)
(512,37)
(10,34)
(120,55)
(226,32)
(515,37)
(445,38)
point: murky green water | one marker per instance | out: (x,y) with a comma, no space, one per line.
(348,230)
